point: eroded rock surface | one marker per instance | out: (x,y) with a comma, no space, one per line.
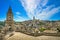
(21,36)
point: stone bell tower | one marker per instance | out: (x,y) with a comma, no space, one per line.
(9,19)
(34,22)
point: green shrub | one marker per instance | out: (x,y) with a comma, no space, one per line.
(42,29)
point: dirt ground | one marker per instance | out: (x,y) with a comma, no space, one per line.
(20,36)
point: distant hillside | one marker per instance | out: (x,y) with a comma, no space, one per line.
(42,23)
(2,23)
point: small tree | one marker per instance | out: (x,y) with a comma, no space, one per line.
(42,29)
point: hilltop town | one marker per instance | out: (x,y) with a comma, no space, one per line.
(32,27)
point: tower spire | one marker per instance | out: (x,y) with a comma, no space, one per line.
(9,19)
(10,14)
(10,9)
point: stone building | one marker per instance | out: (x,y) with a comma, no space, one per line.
(9,23)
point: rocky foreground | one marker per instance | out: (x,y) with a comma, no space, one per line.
(21,36)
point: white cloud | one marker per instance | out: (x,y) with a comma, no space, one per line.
(44,2)
(2,19)
(34,8)
(18,17)
(46,15)
(30,6)
(18,13)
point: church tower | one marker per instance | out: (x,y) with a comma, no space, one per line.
(34,22)
(33,17)
(9,20)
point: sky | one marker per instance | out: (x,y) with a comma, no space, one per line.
(27,9)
